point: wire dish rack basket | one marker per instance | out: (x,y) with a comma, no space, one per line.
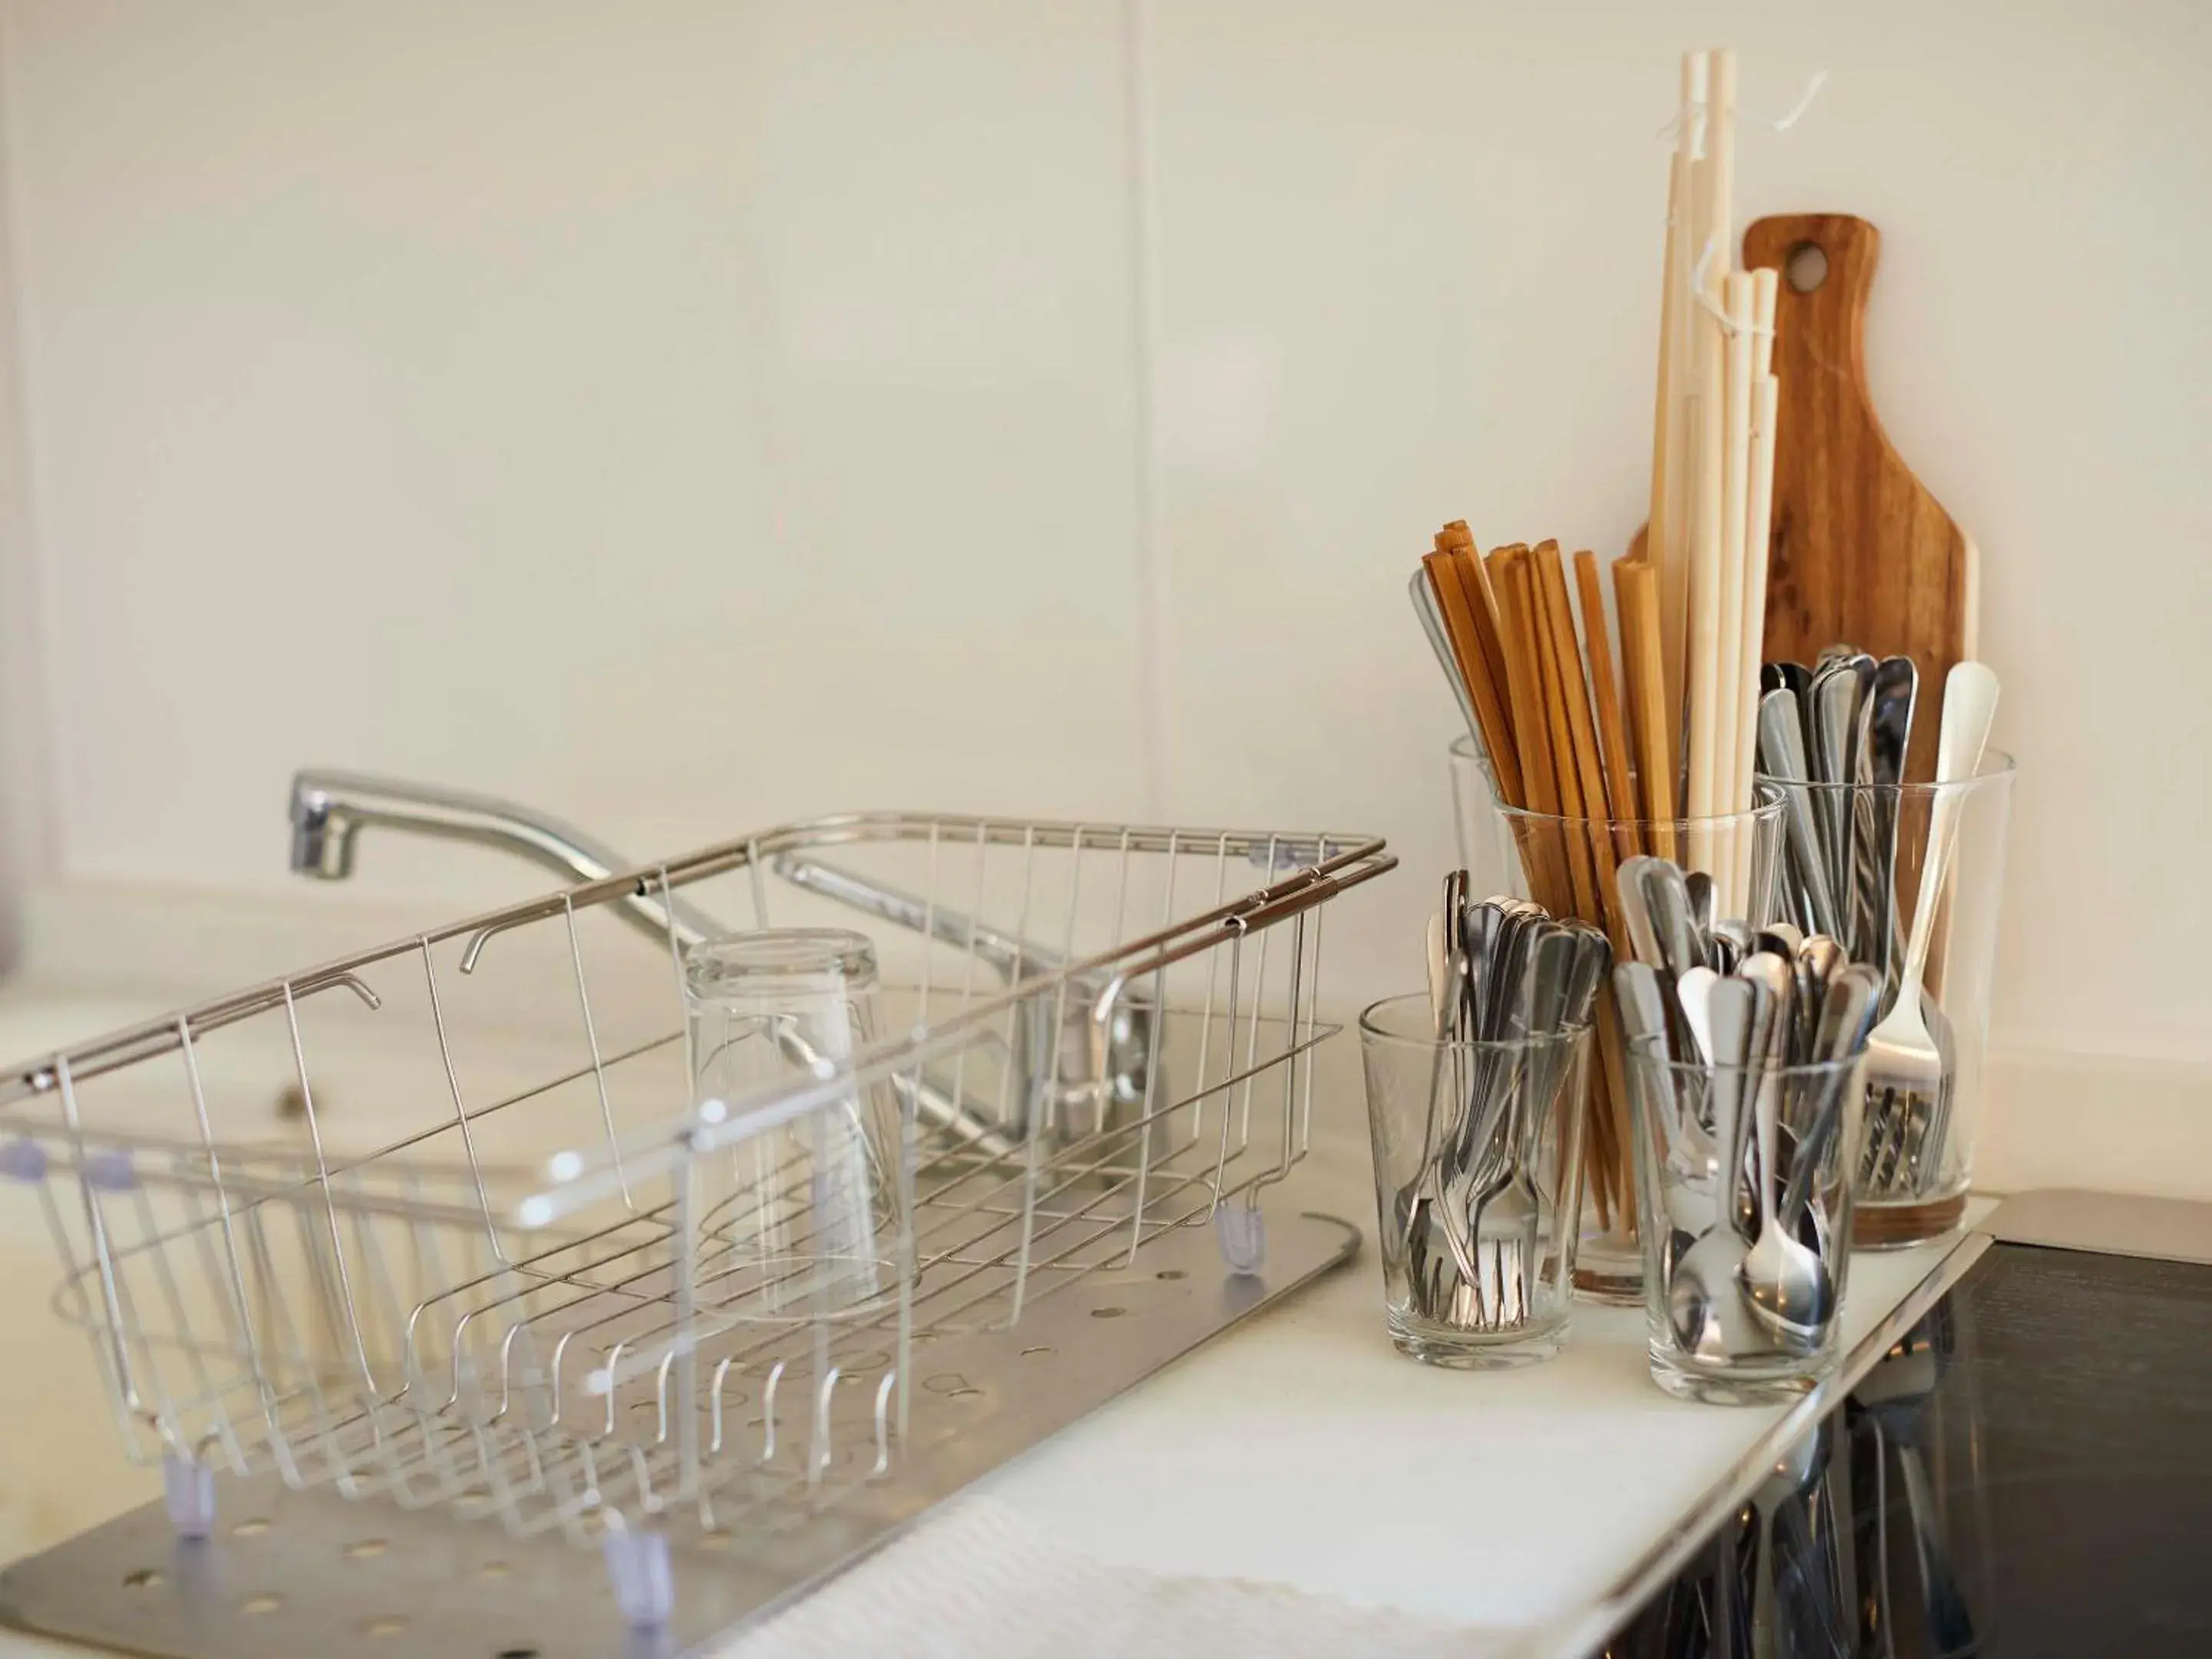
(499,1263)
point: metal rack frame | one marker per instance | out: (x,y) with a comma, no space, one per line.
(574,1344)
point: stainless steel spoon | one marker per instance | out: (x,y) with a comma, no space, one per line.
(1819,958)
(1730,942)
(1705,1306)
(1839,694)
(1875,932)
(1781,757)
(1847,1015)
(1790,1288)
(1704,904)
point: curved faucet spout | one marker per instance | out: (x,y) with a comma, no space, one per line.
(330,807)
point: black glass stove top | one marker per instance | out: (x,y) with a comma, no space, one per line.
(2027,1472)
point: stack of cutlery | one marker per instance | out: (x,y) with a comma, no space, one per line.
(1717,1013)
(1847,721)
(1501,970)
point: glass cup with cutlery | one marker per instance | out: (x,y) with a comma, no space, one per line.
(1476,1097)
(1744,1198)
(1572,864)
(1909,878)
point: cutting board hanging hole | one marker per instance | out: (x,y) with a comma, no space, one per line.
(1807,267)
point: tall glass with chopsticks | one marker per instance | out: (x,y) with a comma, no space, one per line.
(1478,1161)
(1567,864)
(1857,853)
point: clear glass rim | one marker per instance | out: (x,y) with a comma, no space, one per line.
(1643,1051)
(1995,773)
(773,952)
(1768,810)
(1373,1030)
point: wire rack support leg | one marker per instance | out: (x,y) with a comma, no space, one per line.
(644,1587)
(188,1489)
(1242,1232)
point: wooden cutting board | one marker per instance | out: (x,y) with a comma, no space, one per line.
(1862,551)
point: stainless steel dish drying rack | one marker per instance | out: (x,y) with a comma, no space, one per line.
(489,1274)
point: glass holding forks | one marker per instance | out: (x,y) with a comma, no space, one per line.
(1478,1183)
(1926,1082)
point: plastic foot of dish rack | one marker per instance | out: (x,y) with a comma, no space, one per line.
(188,1494)
(643,1582)
(288,1572)
(1242,1234)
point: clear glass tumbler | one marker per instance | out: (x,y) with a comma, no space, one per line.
(1743,1193)
(800,1217)
(1925,1082)
(1565,864)
(1478,1171)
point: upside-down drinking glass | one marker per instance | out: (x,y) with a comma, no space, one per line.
(799,1216)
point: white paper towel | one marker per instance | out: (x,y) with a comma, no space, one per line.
(979,1581)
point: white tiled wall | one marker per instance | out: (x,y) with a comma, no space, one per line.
(690,415)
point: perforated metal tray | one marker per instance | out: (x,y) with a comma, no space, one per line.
(293,1572)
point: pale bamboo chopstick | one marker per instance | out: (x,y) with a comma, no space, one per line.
(1728,595)
(1673,736)
(1715,255)
(1667,534)
(1720,161)
(1758,524)
(1702,673)
(1766,292)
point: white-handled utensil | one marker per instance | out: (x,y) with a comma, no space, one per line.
(1906,1081)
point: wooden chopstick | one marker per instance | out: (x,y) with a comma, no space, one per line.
(1635,595)
(1552,686)
(1495,731)
(1540,784)
(1582,733)
(1611,735)
(1549,883)
(1664,730)
(1609,1103)
(1458,540)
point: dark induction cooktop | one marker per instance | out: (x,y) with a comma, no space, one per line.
(2026,1470)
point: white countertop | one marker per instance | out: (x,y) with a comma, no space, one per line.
(1300,1450)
